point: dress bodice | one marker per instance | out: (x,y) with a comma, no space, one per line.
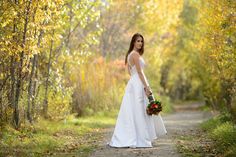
(132,67)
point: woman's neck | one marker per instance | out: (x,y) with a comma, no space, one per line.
(136,50)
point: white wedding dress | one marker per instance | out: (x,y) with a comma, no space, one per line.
(134,128)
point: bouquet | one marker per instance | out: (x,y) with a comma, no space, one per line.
(154,106)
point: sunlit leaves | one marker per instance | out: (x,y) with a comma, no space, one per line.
(220,35)
(59,35)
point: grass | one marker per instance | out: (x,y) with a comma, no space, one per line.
(216,137)
(223,131)
(70,137)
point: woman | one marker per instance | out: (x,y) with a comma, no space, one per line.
(134,128)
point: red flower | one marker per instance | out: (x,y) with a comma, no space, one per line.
(154,105)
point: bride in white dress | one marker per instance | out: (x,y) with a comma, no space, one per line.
(134,128)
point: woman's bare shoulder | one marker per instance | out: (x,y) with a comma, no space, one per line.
(135,54)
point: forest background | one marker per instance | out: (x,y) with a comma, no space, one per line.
(60,58)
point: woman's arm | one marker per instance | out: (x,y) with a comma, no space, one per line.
(141,73)
(128,69)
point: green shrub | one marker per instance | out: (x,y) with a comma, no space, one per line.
(225,135)
(212,123)
(223,131)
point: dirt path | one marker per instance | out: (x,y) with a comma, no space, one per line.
(183,121)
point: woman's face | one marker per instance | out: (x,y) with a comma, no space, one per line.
(138,43)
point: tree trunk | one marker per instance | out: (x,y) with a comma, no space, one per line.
(13,81)
(30,90)
(45,105)
(33,81)
(30,109)
(228,87)
(16,117)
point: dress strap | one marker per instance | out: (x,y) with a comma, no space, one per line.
(128,59)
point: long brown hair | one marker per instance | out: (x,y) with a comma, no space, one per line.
(131,46)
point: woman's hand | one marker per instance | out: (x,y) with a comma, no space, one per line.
(147,90)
